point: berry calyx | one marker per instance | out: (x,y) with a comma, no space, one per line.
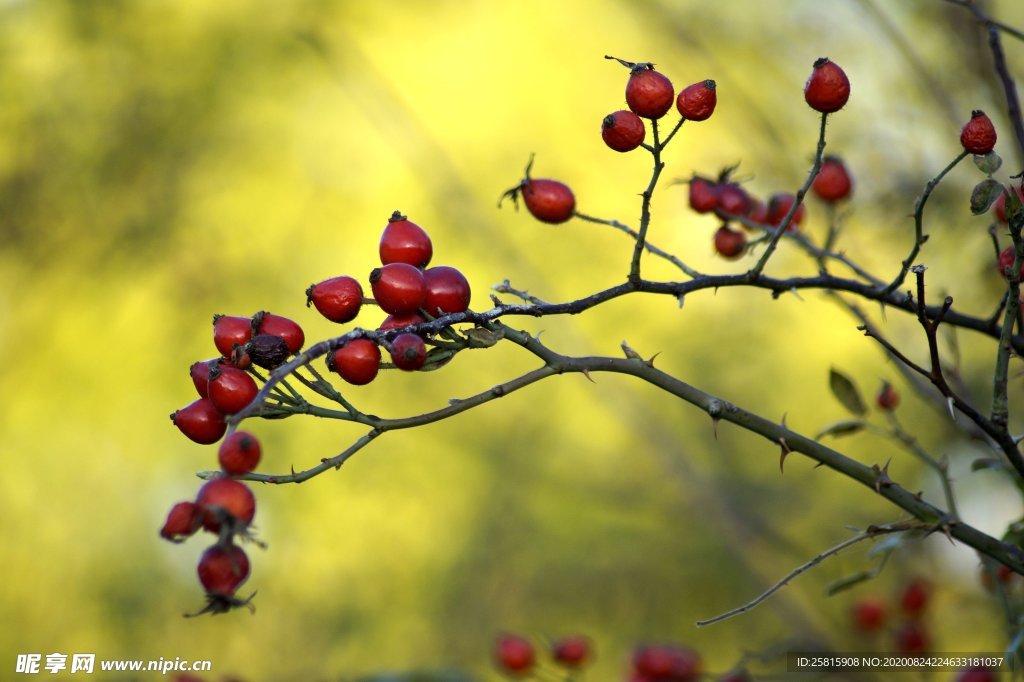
(267,350)
(283,327)
(239,453)
(978,135)
(514,655)
(648,92)
(225,500)
(357,362)
(703,195)
(338,299)
(833,181)
(571,652)
(869,614)
(447,291)
(730,243)
(779,205)
(623,131)
(200,421)
(398,288)
(697,102)
(229,330)
(403,241)
(408,352)
(231,389)
(223,569)
(182,521)
(888,397)
(828,88)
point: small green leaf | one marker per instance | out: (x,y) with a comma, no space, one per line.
(437,358)
(984,195)
(849,581)
(987,463)
(846,392)
(988,163)
(844,428)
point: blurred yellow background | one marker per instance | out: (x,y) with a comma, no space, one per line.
(164,161)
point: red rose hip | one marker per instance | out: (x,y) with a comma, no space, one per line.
(338,299)
(231,389)
(1000,204)
(222,570)
(571,652)
(281,327)
(408,352)
(697,102)
(869,614)
(447,291)
(514,654)
(399,321)
(648,92)
(403,241)
(828,88)
(229,330)
(703,195)
(200,421)
(357,362)
(978,135)
(623,131)
(398,288)
(833,182)
(779,205)
(730,243)
(182,521)
(239,453)
(225,499)
(733,200)
(549,201)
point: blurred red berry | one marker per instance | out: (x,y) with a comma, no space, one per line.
(222,569)
(915,597)
(828,89)
(514,655)
(572,652)
(977,673)
(239,453)
(703,195)
(225,500)
(869,614)
(911,638)
(888,398)
(978,135)
(733,200)
(779,205)
(403,241)
(833,182)
(697,102)
(730,243)
(667,662)
(182,521)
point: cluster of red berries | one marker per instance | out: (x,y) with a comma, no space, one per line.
(871,615)
(515,655)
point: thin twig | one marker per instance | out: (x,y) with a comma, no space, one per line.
(622,227)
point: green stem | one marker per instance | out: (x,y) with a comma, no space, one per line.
(645,207)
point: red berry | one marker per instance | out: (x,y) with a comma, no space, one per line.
(833,181)
(1006,257)
(200,421)
(404,241)
(915,597)
(398,288)
(231,389)
(549,201)
(1000,204)
(978,673)
(1004,573)
(703,195)
(779,205)
(222,569)
(572,652)
(978,135)
(911,638)
(447,291)
(514,654)
(229,330)
(200,373)
(869,614)
(697,102)
(182,521)
(733,200)
(623,131)
(239,453)
(667,662)
(888,398)
(225,499)
(648,92)
(338,299)
(828,88)
(758,212)
(357,362)
(282,327)
(399,321)
(408,352)
(730,243)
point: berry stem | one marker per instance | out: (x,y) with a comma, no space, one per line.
(645,206)
(755,272)
(647,245)
(1000,401)
(919,237)
(672,134)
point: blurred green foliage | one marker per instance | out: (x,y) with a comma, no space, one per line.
(163,161)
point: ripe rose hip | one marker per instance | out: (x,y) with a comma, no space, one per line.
(267,350)
(229,330)
(357,362)
(200,421)
(338,299)
(571,652)
(833,181)
(398,288)
(888,398)
(758,212)
(648,92)
(733,200)
(779,205)
(514,654)
(915,597)
(447,291)
(978,135)
(404,241)
(225,499)
(399,321)
(182,521)
(912,638)
(623,131)
(828,88)
(223,569)
(667,662)
(275,325)
(1000,204)
(239,453)
(703,195)
(549,201)
(1006,257)
(730,243)
(408,352)
(697,102)
(231,390)
(200,373)
(869,614)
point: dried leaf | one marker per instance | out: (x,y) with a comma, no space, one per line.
(984,195)
(988,163)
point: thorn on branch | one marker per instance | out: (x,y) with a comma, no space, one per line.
(882,479)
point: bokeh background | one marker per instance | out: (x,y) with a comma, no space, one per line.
(164,161)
